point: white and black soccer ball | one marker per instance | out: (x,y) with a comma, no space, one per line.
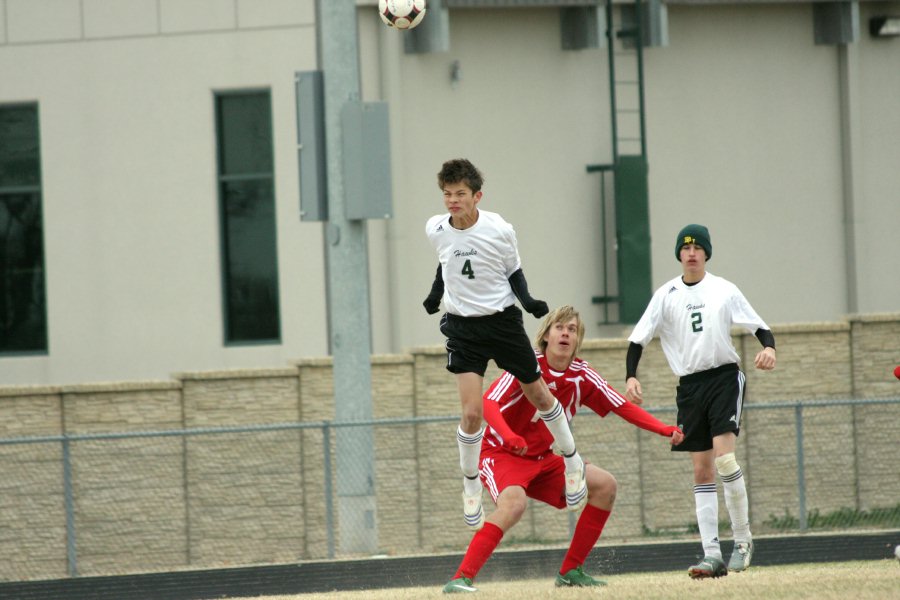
(401,14)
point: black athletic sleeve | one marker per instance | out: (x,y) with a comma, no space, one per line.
(432,303)
(519,286)
(765,338)
(632,359)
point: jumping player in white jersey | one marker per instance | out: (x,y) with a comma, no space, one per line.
(516,458)
(693,315)
(479,278)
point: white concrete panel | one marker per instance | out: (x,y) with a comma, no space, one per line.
(120,18)
(275,13)
(198,15)
(531,116)
(131,206)
(744,137)
(2,21)
(42,20)
(878,208)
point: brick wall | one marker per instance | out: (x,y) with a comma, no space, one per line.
(168,502)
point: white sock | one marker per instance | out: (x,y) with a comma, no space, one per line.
(469,452)
(472,486)
(555,420)
(707,501)
(736,502)
(573,462)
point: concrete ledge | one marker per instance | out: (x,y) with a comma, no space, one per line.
(130,386)
(29,390)
(237,374)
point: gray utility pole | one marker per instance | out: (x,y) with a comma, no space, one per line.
(347,284)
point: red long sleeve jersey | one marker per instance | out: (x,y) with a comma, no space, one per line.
(579,385)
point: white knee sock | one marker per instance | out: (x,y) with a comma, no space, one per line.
(555,420)
(469,452)
(735,496)
(707,501)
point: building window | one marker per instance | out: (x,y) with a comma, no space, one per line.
(23,301)
(247,209)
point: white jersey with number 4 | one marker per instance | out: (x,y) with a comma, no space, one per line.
(476,263)
(694,323)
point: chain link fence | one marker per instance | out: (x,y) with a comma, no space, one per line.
(113,503)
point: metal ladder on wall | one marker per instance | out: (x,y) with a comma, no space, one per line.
(629,160)
(626,81)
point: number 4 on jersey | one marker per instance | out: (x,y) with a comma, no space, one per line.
(467,269)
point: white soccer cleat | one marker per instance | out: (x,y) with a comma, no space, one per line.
(741,556)
(576,489)
(473,512)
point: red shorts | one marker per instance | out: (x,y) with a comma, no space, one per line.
(543,478)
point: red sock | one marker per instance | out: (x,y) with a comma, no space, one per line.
(480,549)
(587,532)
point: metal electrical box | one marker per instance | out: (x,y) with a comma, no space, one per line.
(311,146)
(835,23)
(366,152)
(432,34)
(582,27)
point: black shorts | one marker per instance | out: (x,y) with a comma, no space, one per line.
(473,341)
(709,404)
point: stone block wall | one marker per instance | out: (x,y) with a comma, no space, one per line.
(128,494)
(163,500)
(32,510)
(242,489)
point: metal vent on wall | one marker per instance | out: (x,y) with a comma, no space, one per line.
(515,3)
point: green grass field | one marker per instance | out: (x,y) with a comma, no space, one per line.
(864,580)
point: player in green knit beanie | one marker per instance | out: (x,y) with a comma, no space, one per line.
(693,234)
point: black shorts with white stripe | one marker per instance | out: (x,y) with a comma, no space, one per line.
(709,404)
(501,337)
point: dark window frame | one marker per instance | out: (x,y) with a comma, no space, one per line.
(21,197)
(247,207)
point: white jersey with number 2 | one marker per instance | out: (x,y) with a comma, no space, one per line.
(694,323)
(476,263)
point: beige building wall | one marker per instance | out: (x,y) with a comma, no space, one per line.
(747,141)
(744,134)
(131,216)
(531,116)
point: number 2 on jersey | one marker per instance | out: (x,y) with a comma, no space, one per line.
(467,269)
(697,322)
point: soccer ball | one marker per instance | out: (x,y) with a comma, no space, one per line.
(401,14)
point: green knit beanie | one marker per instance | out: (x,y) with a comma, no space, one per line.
(693,234)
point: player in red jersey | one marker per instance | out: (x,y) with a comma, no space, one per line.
(517,461)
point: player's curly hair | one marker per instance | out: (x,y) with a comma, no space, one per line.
(460,170)
(563,314)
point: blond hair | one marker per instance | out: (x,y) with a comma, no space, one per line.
(563,314)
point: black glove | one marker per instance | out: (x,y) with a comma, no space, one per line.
(519,286)
(432,303)
(538,308)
